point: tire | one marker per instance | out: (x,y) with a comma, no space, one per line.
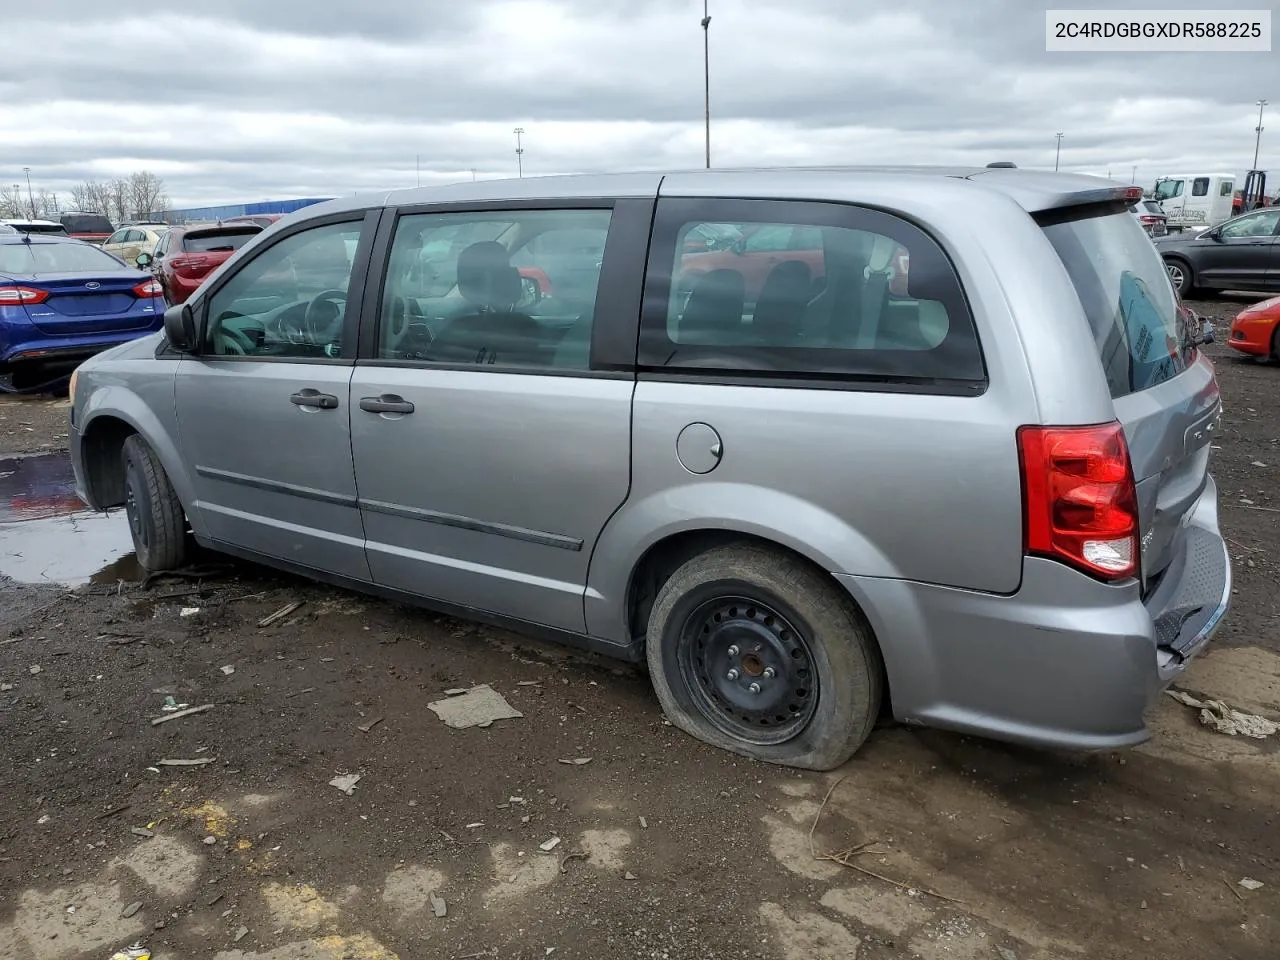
(1180,275)
(1275,345)
(823,698)
(157,521)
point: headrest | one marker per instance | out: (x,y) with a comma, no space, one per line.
(486,277)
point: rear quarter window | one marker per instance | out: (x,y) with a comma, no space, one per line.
(1126,295)
(816,293)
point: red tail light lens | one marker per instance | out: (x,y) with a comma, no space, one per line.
(190,264)
(21,296)
(148,288)
(1080,502)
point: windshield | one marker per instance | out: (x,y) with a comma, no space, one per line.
(68,257)
(220,241)
(1127,296)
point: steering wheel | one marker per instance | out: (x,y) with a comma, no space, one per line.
(235,342)
(322,323)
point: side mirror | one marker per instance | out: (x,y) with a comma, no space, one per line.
(180,328)
(530,292)
(144,260)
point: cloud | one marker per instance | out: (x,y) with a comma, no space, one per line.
(249,100)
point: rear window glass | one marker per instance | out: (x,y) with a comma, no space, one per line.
(1127,296)
(222,240)
(86,223)
(42,228)
(66,257)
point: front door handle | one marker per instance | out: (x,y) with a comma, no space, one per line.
(387,403)
(314,398)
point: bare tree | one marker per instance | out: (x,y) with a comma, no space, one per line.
(13,202)
(89,197)
(47,205)
(118,200)
(146,193)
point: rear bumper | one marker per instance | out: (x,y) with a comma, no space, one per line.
(45,349)
(1066,662)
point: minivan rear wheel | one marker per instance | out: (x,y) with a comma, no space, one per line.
(752,650)
(157,522)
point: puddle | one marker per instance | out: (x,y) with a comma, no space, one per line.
(47,535)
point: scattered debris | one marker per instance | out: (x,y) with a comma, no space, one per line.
(228,670)
(44,818)
(5,687)
(629,876)
(209,841)
(571,855)
(644,824)
(528,683)
(455,691)
(108,814)
(477,707)
(472,826)
(549,845)
(1250,884)
(577,761)
(1224,719)
(35,668)
(181,713)
(1006,953)
(438,905)
(198,762)
(131,909)
(346,782)
(240,934)
(171,704)
(1258,463)
(326,659)
(280,614)
(188,611)
(142,832)
(215,900)
(366,727)
(135,952)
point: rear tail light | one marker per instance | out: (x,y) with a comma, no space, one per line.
(148,288)
(1079,498)
(1147,218)
(188,263)
(21,296)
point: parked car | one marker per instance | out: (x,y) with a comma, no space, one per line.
(127,242)
(48,227)
(1256,330)
(983,502)
(1241,254)
(89,227)
(62,301)
(1152,217)
(184,256)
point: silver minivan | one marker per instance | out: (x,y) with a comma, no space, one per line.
(811,444)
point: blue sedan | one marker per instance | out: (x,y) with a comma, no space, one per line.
(62,301)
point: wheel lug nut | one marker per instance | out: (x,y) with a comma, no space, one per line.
(732,674)
(754,688)
(770,672)
(733,651)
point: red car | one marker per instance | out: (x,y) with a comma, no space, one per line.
(758,249)
(186,255)
(1256,329)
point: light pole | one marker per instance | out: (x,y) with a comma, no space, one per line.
(1257,140)
(1133,177)
(706,73)
(473,174)
(1057,154)
(418,166)
(519,132)
(32,200)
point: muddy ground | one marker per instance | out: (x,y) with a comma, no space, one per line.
(667,849)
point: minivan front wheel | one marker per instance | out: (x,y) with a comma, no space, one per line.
(157,522)
(752,650)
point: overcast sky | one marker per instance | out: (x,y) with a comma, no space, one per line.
(245,100)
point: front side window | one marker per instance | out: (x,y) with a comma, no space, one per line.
(1168,189)
(1254,225)
(505,289)
(117,237)
(289,301)
(833,301)
(1200,186)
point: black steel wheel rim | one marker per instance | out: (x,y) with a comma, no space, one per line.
(750,671)
(133,511)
